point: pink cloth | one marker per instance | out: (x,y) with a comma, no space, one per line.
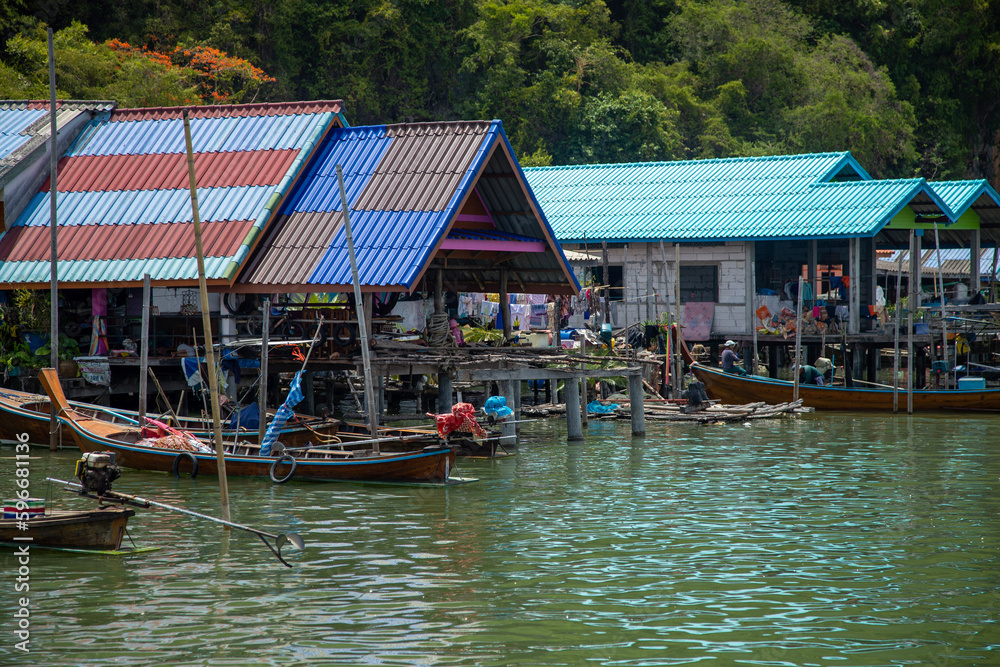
(698,317)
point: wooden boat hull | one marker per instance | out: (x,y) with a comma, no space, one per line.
(737,389)
(429,465)
(100,529)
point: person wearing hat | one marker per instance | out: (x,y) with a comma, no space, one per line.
(810,375)
(731,360)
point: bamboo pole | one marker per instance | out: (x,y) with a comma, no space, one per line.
(666,306)
(797,367)
(362,319)
(909,327)
(53,250)
(895,337)
(944,321)
(606,281)
(680,319)
(265,336)
(753,313)
(144,355)
(213,380)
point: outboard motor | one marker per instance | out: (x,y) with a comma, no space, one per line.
(96,471)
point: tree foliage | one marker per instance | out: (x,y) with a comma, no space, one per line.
(908,86)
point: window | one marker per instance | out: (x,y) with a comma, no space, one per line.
(699,283)
(616,280)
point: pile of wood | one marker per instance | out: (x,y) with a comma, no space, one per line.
(718,414)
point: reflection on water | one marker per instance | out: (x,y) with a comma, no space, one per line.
(846,540)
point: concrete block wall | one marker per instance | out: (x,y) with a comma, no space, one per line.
(650,290)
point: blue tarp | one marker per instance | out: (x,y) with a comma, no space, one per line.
(600,408)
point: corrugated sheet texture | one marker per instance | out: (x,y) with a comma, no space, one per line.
(977,195)
(113,272)
(954,260)
(231,110)
(740,198)
(146,206)
(24,125)
(208,135)
(403,182)
(124,189)
(13,123)
(146,241)
(170,170)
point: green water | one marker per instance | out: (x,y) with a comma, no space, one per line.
(819,540)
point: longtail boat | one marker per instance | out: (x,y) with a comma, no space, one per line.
(430,464)
(25,412)
(730,388)
(99,529)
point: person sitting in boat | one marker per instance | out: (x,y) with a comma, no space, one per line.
(811,375)
(731,360)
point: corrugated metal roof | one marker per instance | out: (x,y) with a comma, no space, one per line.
(954,260)
(730,199)
(240,133)
(13,123)
(133,207)
(405,183)
(123,191)
(113,272)
(231,110)
(977,195)
(170,170)
(412,180)
(145,241)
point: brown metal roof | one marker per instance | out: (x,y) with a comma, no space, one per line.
(229,110)
(423,166)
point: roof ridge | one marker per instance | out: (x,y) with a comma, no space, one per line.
(226,110)
(698,161)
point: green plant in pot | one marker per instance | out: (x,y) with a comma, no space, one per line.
(68,348)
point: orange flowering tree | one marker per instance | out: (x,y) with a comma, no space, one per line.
(217,77)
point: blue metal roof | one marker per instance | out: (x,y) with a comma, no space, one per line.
(960,195)
(240,133)
(132,207)
(405,184)
(13,122)
(781,197)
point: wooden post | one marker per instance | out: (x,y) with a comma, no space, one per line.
(574,423)
(944,316)
(854,300)
(607,282)
(507,427)
(797,367)
(445,400)
(53,249)
(439,291)
(993,274)
(975,257)
(359,307)
(584,397)
(895,337)
(144,355)
(265,334)
(636,405)
(508,332)
(625,288)
(679,373)
(911,300)
(213,380)
(650,311)
(753,313)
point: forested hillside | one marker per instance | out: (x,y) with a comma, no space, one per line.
(911,87)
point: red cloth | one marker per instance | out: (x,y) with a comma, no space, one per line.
(461,420)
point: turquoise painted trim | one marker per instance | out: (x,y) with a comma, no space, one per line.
(274,202)
(846,160)
(343,119)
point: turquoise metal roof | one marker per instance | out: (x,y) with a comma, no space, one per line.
(780,197)
(960,195)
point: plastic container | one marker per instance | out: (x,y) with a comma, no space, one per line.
(972,383)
